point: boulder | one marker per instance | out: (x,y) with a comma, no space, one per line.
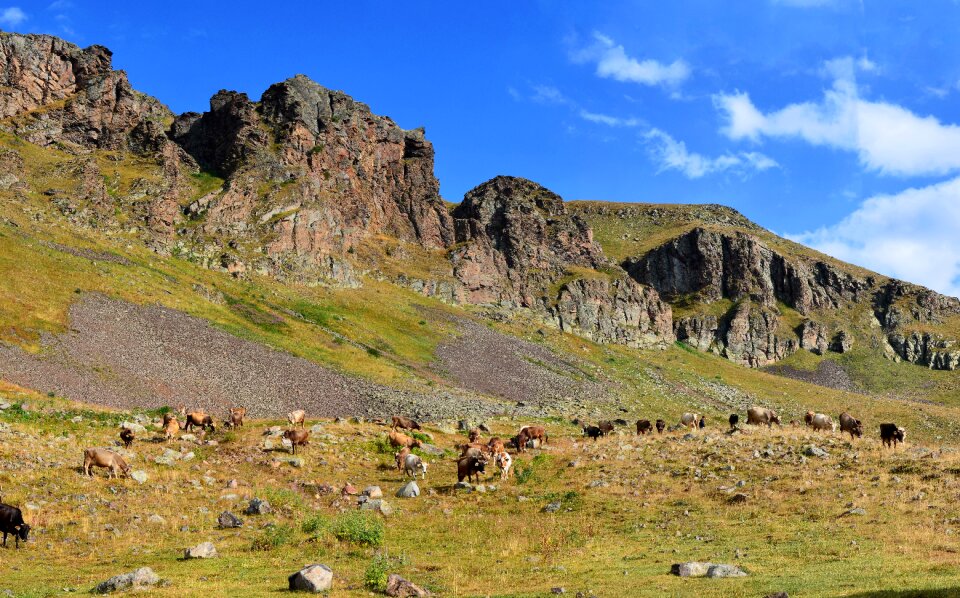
(377,504)
(401,588)
(373,492)
(409,490)
(205,550)
(698,569)
(139,476)
(312,578)
(141,578)
(228,520)
(552,507)
(258,506)
(815,451)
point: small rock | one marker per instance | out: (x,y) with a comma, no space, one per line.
(201,551)
(697,569)
(815,451)
(373,492)
(463,485)
(558,590)
(228,520)
(726,571)
(349,489)
(188,437)
(377,504)
(312,578)
(258,506)
(409,490)
(139,476)
(552,507)
(141,578)
(738,498)
(856,511)
(156,519)
(401,588)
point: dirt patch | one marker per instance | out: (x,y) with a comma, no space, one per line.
(489,362)
(828,373)
(126,356)
(90,254)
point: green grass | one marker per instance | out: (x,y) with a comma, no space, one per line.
(360,527)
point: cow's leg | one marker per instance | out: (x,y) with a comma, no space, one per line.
(4,539)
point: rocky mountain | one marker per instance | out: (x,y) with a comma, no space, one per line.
(308,185)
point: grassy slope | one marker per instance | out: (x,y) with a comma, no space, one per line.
(663,504)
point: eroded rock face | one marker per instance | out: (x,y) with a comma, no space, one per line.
(926,349)
(751,336)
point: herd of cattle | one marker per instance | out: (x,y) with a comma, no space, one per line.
(474,454)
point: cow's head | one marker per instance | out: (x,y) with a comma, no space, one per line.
(22,531)
(857,429)
(774,418)
(900,434)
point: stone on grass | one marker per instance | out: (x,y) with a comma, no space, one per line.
(401,588)
(409,490)
(156,519)
(258,506)
(377,504)
(552,507)
(141,578)
(228,520)
(373,492)
(139,475)
(815,451)
(463,485)
(697,569)
(201,551)
(312,578)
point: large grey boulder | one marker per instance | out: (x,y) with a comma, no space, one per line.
(258,506)
(409,490)
(201,551)
(312,578)
(141,578)
(228,520)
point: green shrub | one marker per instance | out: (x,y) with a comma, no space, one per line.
(283,498)
(359,527)
(382,445)
(373,352)
(525,473)
(420,436)
(375,577)
(316,525)
(273,536)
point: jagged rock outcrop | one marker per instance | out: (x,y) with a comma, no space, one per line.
(813,337)
(750,336)
(316,173)
(59,93)
(615,310)
(926,349)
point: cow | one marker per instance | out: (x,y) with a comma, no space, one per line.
(644,427)
(236,416)
(474,435)
(401,456)
(851,425)
(660,426)
(690,420)
(297,417)
(399,440)
(530,433)
(734,420)
(199,419)
(404,423)
(702,423)
(758,416)
(819,421)
(471,465)
(98,457)
(504,461)
(496,445)
(297,438)
(126,437)
(170,426)
(167,417)
(11,522)
(412,464)
(891,434)
(592,432)
(606,427)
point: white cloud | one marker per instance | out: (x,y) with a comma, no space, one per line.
(613,63)
(910,235)
(673,155)
(887,138)
(12,16)
(547,94)
(610,121)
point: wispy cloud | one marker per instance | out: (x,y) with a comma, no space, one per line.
(910,235)
(610,121)
(548,94)
(12,16)
(672,154)
(613,62)
(887,138)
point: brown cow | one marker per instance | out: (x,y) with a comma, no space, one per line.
(297,417)
(851,425)
(400,456)
(236,416)
(757,416)
(399,439)
(98,457)
(496,446)
(606,427)
(471,465)
(644,427)
(474,435)
(170,426)
(126,437)
(297,438)
(660,426)
(199,419)
(529,433)
(404,423)
(690,420)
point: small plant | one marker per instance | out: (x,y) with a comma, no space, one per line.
(420,436)
(359,527)
(381,445)
(228,436)
(283,499)
(375,577)
(272,537)
(316,525)
(525,473)
(373,352)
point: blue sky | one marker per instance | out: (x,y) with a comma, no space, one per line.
(833,122)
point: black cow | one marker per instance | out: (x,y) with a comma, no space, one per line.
(703,422)
(11,522)
(643,426)
(660,426)
(734,420)
(592,431)
(606,427)
(891,434)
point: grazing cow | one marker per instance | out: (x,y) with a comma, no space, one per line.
(170,426)
(404,423)
(182,411)
(496,445)
(734,420)
(660,426)
(851,425)
(891,434)
(412,465)
(644,426)
(690,420)
(167,417)
(11,522)
(97,457)
(819,421)
(606,427)
(297,417)
(528,433)
(702,423)
(474,435)
(399,440)
(471,465)
(592,432)
(401,456)
(504,461)
(758,416)
(236,416)
(126,437)
(199,419)
(297,438)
